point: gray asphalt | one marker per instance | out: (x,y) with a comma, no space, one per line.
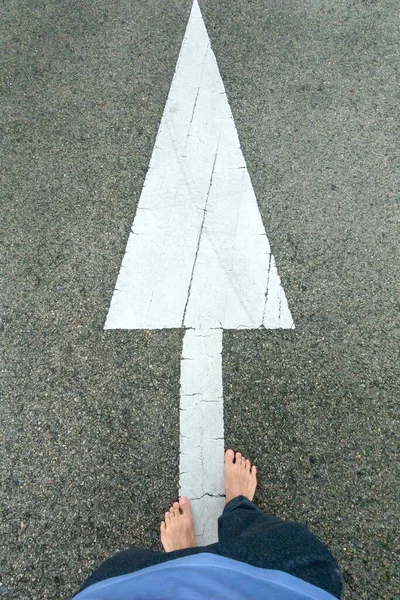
(89,436)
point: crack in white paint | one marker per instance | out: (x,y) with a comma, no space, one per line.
(198,258)
(199,240)
(198,89)
(210,496)
(266,287)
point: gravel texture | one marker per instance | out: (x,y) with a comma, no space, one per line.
(90,435)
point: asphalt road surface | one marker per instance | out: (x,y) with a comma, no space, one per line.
(90,418)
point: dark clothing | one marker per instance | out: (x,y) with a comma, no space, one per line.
(249,535)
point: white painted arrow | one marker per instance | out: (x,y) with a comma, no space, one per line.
(198,258)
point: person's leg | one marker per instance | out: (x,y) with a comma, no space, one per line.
(239,516)
(271,543)
(249,535)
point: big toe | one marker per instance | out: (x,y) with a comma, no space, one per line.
(229,456)
(185,506)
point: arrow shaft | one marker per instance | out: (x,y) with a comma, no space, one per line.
(201,476)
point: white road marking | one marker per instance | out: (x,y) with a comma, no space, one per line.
(198,257)
(202,430)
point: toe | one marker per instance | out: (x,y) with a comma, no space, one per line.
(166,516)
(238,457)
(162,526)
(176,505)
(185,505)
(247,465)
(229,456)
(254,470)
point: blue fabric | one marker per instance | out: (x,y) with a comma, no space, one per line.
(204,576)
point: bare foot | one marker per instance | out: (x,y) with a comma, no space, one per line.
(177,530)
(240,476)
